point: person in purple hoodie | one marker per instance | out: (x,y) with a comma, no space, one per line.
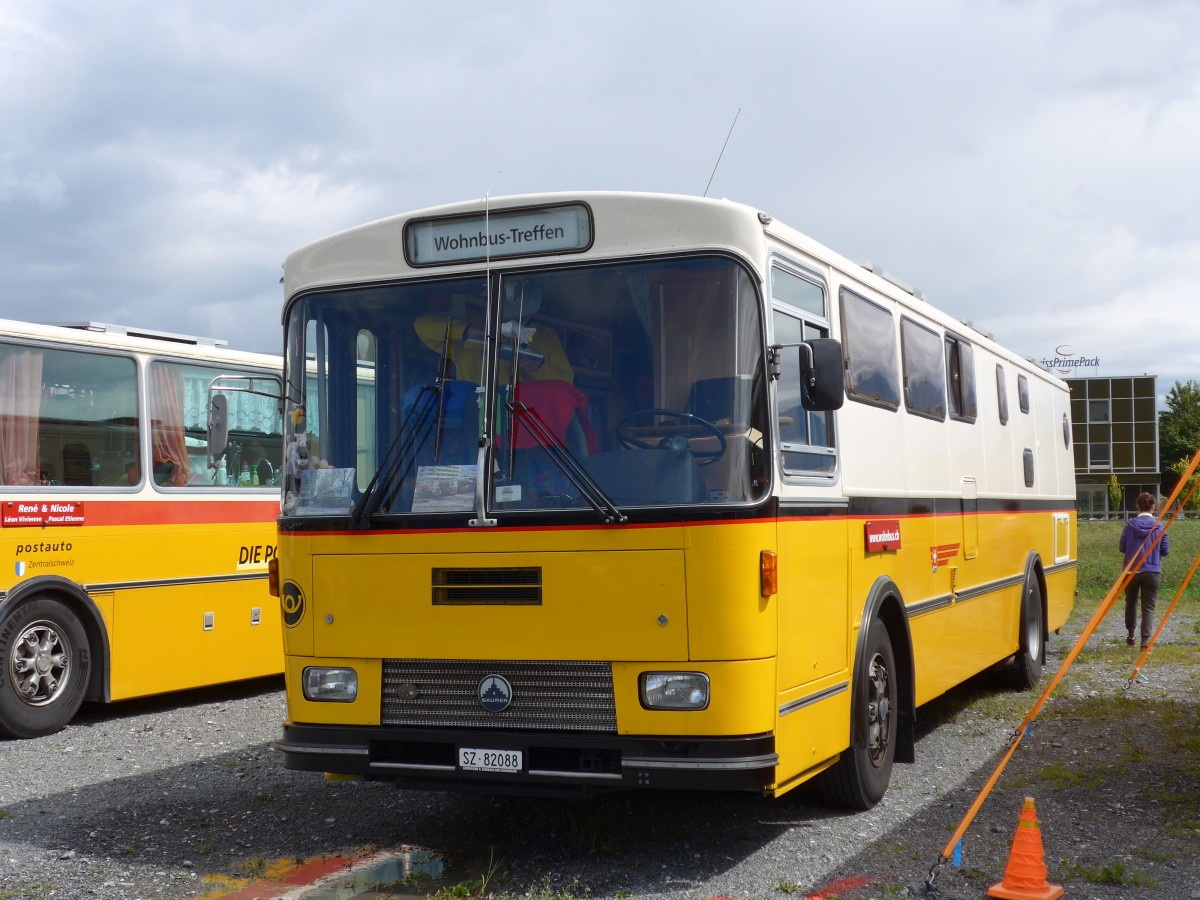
(1139,533)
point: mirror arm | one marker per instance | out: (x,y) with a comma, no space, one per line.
(774,366)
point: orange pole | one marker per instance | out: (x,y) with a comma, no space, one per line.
(1097,617)
(1163,621)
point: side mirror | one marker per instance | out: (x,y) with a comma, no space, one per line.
(269,386)
(218,427)
(824,387)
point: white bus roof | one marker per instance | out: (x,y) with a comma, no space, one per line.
(109,328)
(626,223)
(135,340)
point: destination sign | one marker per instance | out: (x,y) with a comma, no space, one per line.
(37,513)
(530,231)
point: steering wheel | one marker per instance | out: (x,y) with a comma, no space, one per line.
(679,443)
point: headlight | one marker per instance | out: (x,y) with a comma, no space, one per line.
(332,685)
(674,690)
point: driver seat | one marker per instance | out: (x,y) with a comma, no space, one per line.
(725,402)
(652,477)
(728,404)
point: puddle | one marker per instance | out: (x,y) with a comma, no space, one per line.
(398,875)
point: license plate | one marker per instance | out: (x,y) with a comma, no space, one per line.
(474,759)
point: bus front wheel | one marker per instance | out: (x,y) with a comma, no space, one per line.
(44,668)
(860,778)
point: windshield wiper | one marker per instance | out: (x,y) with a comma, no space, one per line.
(587,486)
(407,443)
(410,438)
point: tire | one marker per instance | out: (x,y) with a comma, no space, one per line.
(1031,652)
(45,663)
(860,778)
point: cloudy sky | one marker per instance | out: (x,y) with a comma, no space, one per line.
(1031,166)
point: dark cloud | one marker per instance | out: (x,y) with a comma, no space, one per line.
(1030,166)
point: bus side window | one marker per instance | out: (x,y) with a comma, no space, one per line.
(79,415)
(873,370)
(924,379)
(179,396)
(960,379)
(1001,394)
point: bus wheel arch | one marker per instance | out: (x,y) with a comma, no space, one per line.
(52,628)
(1031,634)
(882,707)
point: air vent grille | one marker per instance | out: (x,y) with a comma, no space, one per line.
(520,586)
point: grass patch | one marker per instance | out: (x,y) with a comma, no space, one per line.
(254,868)
(573,890)
(1108,873)
(473,887)
(603,831)
(1154,855)
(1104,706)
(1100,561)
(39,888)
(1068,775)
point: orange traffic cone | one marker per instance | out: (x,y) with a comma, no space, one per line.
(1025,875)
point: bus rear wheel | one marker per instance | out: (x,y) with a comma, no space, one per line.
(44,668)
(1031,653)
(860,778)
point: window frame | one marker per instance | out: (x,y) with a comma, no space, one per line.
(808,320)
(961,391)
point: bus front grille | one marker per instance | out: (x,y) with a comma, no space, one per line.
(551,696)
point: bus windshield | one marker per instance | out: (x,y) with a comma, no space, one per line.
(613,386)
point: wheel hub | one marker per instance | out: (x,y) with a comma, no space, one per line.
(878,711)
(39,664)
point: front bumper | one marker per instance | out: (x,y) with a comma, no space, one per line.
(553,763)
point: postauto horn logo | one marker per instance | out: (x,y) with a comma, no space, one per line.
(291,598)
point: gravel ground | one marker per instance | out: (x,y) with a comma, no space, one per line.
(179,797)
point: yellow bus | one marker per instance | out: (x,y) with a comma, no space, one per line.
(137,558)
(611,490)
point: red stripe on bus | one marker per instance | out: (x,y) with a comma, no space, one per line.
(176,512)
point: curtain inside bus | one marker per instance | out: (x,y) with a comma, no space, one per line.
(20,402)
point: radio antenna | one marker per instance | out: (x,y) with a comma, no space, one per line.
(722,153)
